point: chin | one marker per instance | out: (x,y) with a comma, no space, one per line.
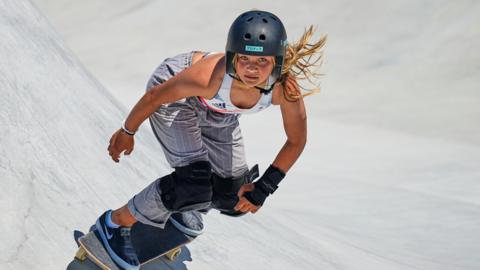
(253,83)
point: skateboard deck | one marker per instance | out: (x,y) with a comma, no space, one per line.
(150,243)
(92,248)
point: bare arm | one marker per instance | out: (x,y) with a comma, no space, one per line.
(197,80)
(194,81)
(295,125)
(252,196)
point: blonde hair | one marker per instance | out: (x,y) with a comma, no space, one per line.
(300,58)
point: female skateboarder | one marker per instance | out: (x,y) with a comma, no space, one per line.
(193,102)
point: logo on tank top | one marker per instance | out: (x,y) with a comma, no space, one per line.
(219,105)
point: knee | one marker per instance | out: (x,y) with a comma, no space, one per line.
(188,187)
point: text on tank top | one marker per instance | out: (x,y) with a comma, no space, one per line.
(222,103)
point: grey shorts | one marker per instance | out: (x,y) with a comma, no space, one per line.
(188,132)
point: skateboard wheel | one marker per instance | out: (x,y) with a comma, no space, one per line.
(173,254)
(81,254)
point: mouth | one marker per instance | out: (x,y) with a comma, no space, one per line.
(251,78)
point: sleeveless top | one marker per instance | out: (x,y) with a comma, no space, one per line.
(221,101)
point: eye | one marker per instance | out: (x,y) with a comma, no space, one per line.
(243,58)
(263,61)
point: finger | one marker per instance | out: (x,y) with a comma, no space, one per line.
(246,206)
(243,202)
(247,209)
(241,191)
(252,207)
(113,140)
(112,151)
(245,188)
(239,205)
(116,157)
(243,209)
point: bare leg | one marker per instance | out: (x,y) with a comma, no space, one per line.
(123,217)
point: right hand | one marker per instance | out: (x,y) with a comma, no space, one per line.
(119,143)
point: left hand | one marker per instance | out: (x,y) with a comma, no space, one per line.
(243,204)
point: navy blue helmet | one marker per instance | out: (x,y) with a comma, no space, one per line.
(258,33)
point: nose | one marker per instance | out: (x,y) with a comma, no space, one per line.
(252,67)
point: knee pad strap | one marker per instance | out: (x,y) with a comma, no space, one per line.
(188,187)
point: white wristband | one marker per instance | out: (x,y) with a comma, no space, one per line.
(131,133)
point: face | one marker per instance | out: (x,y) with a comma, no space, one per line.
(254,70)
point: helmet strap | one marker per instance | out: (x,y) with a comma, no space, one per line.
(263,91)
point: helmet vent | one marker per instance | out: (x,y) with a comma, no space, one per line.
(264,20)
(275,19)
(262,37)
(247,36)
(250,19)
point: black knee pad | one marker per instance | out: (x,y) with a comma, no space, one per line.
(225,191)
(188,187)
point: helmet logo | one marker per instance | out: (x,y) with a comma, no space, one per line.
(253,48)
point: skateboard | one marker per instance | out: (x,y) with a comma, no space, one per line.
(150,243)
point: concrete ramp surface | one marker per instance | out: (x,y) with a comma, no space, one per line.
(54,166)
